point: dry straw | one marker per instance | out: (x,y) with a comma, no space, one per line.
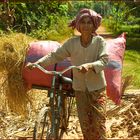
(126,82)
(13,49)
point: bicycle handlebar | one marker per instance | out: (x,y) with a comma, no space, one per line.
(55,72)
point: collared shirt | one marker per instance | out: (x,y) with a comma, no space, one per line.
(94,55)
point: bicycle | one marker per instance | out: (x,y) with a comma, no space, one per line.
(54,118)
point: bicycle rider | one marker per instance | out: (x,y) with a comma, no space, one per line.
(88,52)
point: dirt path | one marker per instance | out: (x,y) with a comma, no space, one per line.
(101,31)
(104,33)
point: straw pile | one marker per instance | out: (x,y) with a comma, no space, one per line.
(124,121)
(12,55)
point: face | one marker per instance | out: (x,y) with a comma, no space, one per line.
(86,25)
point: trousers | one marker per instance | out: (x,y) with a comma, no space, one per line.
(91,108)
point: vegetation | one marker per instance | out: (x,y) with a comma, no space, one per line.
(40,20)
(132,67)
(24,17)
(123,17)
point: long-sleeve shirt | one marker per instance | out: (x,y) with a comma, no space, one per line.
(95,55)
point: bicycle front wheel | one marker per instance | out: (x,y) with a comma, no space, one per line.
(63,114)
(42,128)
(67,105)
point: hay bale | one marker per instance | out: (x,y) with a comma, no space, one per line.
(13,48)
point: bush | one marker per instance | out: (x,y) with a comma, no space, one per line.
(133,43)
(132,20)
(58,31)
(132,30)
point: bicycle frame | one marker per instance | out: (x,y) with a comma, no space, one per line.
(52,96)
(54,111)
(55,104)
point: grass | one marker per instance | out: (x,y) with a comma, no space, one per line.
(132,43)
(131,67)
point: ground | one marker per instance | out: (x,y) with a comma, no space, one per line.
(122,121)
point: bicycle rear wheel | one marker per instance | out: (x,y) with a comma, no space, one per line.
(42,126)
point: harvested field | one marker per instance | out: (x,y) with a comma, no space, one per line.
(122,121)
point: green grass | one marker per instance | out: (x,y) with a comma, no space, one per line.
(133,43)
(131,66)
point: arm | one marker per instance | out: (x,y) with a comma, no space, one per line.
(60,54)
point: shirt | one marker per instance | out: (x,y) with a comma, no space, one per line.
(95,55)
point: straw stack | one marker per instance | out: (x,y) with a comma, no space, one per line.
(13,49)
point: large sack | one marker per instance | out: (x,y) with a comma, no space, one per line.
(113,71)
(36,51)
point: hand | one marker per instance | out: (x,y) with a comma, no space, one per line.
(30,65)
(82,69)
(85,67)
